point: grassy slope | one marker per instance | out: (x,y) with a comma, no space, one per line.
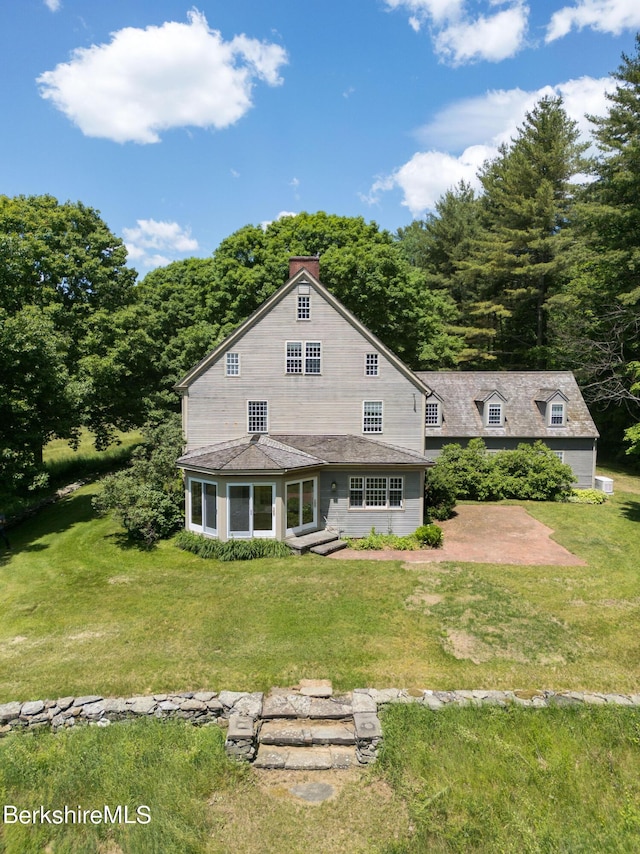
(85,612)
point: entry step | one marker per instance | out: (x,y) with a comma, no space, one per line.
(304,543)
(305,758)
(306,733)
(328,548)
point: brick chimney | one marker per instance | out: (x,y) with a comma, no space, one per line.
(309,262)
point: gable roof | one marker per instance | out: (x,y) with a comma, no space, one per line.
(302,276)
(525,394)
(264,454)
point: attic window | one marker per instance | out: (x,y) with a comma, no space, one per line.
(233,365)
(556,418)
(304,307)
(494,415)
(371,365)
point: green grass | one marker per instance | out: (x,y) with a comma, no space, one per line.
(64,464)
(84,611)
(457,780)
(517,780)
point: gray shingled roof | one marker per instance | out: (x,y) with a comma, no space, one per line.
(282,453)
(523,391)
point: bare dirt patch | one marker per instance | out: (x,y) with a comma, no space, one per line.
(485,533)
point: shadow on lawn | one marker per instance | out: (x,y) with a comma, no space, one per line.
(54,519)
(124,541)
(631,509)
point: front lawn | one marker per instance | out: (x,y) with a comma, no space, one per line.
(84,611)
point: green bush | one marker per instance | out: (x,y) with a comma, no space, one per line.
(206,547)
(429,535)
(439,495)
(585,496)
(530,471)
(148,496)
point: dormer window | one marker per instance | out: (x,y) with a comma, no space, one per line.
(494,415)
(432,413)
(556,417)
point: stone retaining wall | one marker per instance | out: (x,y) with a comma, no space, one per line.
(208,706)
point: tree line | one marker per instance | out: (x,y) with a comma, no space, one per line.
(539,270)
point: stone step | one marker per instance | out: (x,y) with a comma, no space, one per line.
(305,758)
(301,733)
(297,706)
(328,548)
(302,544)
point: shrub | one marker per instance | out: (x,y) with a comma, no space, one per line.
(429,535)
(439,494)
(585,496)
(531,472)
(148,496)
(206,547)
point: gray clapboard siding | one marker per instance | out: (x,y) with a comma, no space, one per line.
(334,506)
(332,401)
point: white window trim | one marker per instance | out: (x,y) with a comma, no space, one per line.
(304,297)
(253,432)
(314,522)
(303,350)
(559,455)
(386,508)
(377,364)
(202,529)
(243,535)
(561,404)
(226,364)
(373,432)
(438,421)
(489,423)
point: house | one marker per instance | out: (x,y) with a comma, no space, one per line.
(505,408)
(302,420)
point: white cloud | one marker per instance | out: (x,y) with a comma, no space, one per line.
(428,10)
(267,222)
(491,38)
(475,127)
(461,36)
(166,240)
(147,81)
(605,16)
(52,5)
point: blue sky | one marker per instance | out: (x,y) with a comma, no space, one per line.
(183,123)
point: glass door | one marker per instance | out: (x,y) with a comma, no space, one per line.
(251,510)
(301,498)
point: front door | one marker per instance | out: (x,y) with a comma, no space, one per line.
(302,501)
(251,510)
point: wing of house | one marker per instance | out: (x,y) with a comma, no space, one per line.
(506,408)
(302,419)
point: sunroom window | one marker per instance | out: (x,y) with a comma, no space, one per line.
(376,493)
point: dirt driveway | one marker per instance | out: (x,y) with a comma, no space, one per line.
(481,533)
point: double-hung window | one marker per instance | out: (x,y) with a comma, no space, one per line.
(257,416)
(232,368)
(432,414)
(303,357)
(304,307)
(372,416)
(494,415)
(557,415)
(376,493)
(371,368)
